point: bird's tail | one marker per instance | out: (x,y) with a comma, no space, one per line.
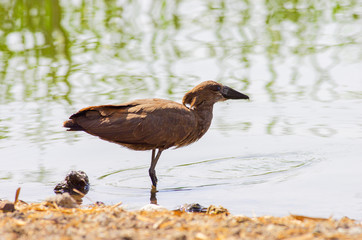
(72,126)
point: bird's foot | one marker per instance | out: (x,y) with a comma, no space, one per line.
(153,198)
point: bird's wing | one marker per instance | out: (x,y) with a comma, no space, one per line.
(167,126)
(152,123)
(108,122)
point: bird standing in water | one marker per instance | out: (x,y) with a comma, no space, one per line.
(154,124)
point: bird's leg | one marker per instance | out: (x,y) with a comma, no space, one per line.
(153,198)
(152,171)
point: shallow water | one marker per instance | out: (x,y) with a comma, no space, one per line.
(294,148)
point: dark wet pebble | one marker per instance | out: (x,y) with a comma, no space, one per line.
(6,206)
(193,207)
(74,180)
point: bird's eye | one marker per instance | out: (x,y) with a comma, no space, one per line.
(215,88)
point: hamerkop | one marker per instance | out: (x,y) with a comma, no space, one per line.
(150,124)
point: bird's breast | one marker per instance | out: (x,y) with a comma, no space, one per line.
(202,124)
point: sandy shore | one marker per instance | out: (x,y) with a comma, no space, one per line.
(47,220)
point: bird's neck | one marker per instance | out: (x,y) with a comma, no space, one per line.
(204,117)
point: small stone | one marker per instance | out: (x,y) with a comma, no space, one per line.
(63,200)
(201,236)
(193,207)
(217,210)
(7,206)
(76,183)
(153,207)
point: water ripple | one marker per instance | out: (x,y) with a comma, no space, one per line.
(239,170)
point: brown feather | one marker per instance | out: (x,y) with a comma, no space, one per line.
(147,123)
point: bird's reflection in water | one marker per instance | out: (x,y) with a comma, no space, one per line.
(153,198)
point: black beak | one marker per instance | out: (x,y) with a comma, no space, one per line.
(230,93)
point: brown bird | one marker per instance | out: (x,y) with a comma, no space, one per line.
(150,124)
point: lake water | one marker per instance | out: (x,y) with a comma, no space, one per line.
(295,147)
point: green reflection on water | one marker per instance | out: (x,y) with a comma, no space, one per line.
(34,45)
(54,40)
(68,53)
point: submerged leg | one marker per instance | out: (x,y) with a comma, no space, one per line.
(153,198)
(152,171)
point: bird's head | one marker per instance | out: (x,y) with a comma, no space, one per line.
(210,92)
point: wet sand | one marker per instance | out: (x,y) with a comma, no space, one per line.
(47,220)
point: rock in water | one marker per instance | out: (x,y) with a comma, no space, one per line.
(76,183)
